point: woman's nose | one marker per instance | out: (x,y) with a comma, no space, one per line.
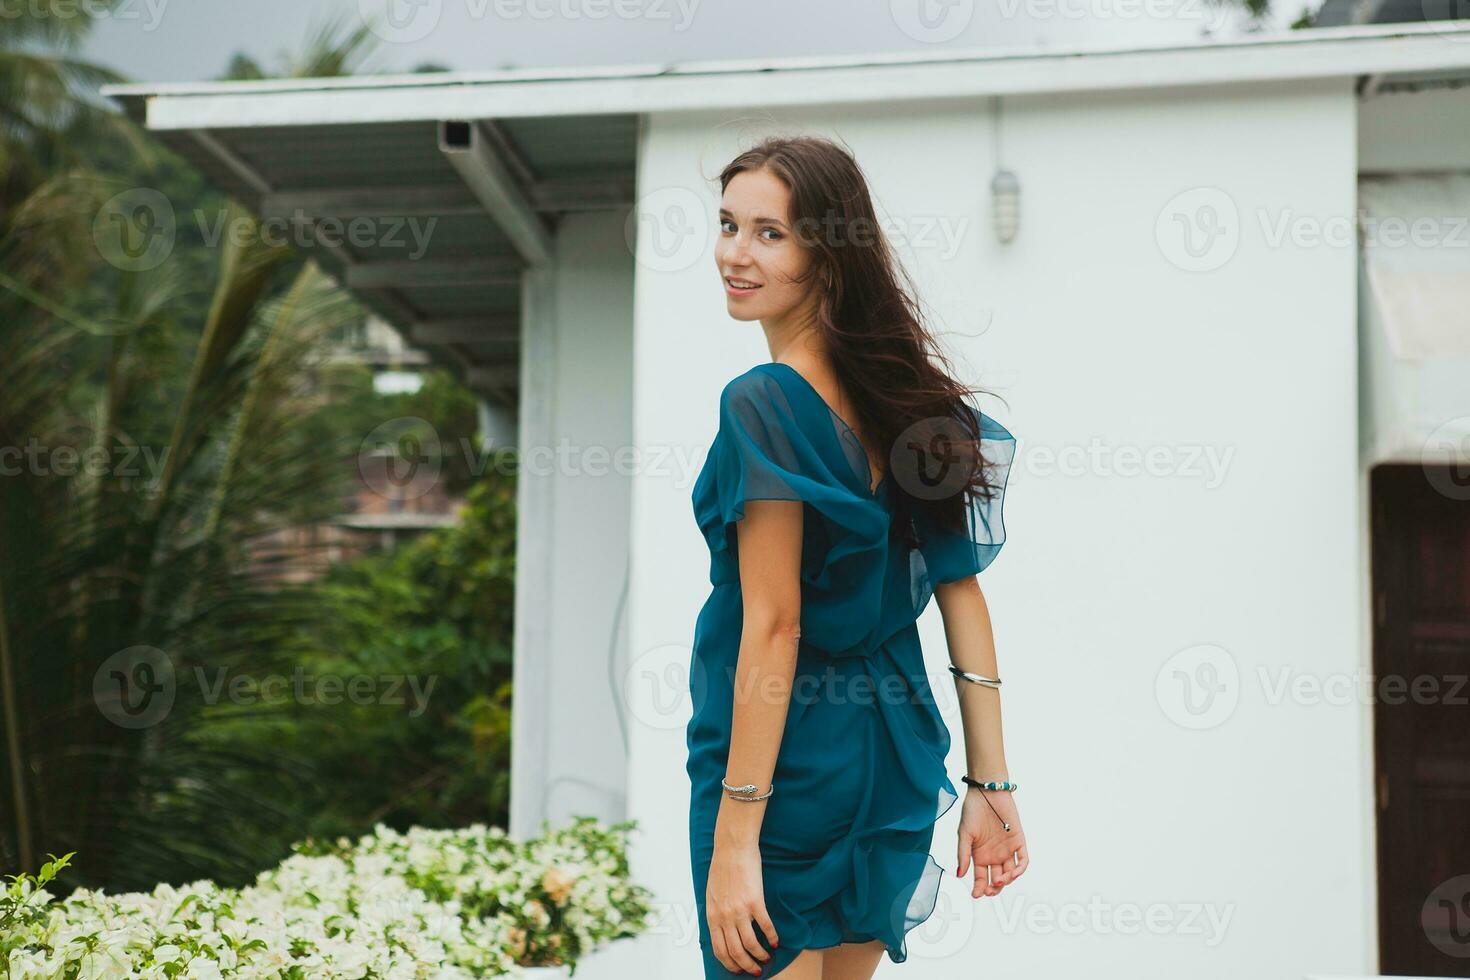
(739,253)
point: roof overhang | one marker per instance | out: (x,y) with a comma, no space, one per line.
(1294,56)
(431,223)
(494,159)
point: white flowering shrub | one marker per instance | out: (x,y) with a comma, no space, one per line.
(426,903)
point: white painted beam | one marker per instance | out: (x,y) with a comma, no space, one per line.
(507,152)
(231,161)
(471,153)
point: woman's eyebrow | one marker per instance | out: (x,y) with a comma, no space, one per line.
(759,219)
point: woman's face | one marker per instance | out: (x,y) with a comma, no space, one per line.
(757,253)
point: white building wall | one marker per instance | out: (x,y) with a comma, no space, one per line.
(1185,816)
(572,555)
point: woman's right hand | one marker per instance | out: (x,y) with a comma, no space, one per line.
(734,897)
(999,855)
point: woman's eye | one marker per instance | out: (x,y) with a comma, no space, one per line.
(727,225)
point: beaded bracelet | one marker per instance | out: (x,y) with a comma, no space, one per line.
(1003,784)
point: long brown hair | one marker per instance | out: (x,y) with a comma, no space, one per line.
(886,360)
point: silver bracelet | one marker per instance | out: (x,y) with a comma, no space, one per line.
(742,793)
(975,678)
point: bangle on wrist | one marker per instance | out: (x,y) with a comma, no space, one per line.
(747,793)
(981,679)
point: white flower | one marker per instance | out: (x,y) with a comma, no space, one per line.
(201,968)
(449,904)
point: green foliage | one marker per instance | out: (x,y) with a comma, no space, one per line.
(157,423)
(23,904)
(425,634)
(443,402)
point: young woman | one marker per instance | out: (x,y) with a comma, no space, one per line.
(849,481)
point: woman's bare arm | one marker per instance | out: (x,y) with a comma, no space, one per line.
(990,837)
(769,545)
(972,648)
(770,586)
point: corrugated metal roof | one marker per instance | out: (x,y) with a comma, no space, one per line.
(550,141)
(430,259)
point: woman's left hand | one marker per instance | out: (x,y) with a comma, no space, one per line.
(999,855)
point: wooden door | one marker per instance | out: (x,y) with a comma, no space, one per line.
(1421,663)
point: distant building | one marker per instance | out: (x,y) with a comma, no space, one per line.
(384,511)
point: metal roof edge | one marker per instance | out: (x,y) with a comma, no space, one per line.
(1294,55)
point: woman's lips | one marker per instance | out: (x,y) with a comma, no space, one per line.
(734,290)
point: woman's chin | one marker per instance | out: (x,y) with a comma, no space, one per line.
(740,311)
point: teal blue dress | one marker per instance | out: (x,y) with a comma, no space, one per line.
(860,777)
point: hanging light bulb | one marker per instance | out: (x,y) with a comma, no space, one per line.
(1005,204)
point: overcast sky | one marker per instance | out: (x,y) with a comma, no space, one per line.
(188,40)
